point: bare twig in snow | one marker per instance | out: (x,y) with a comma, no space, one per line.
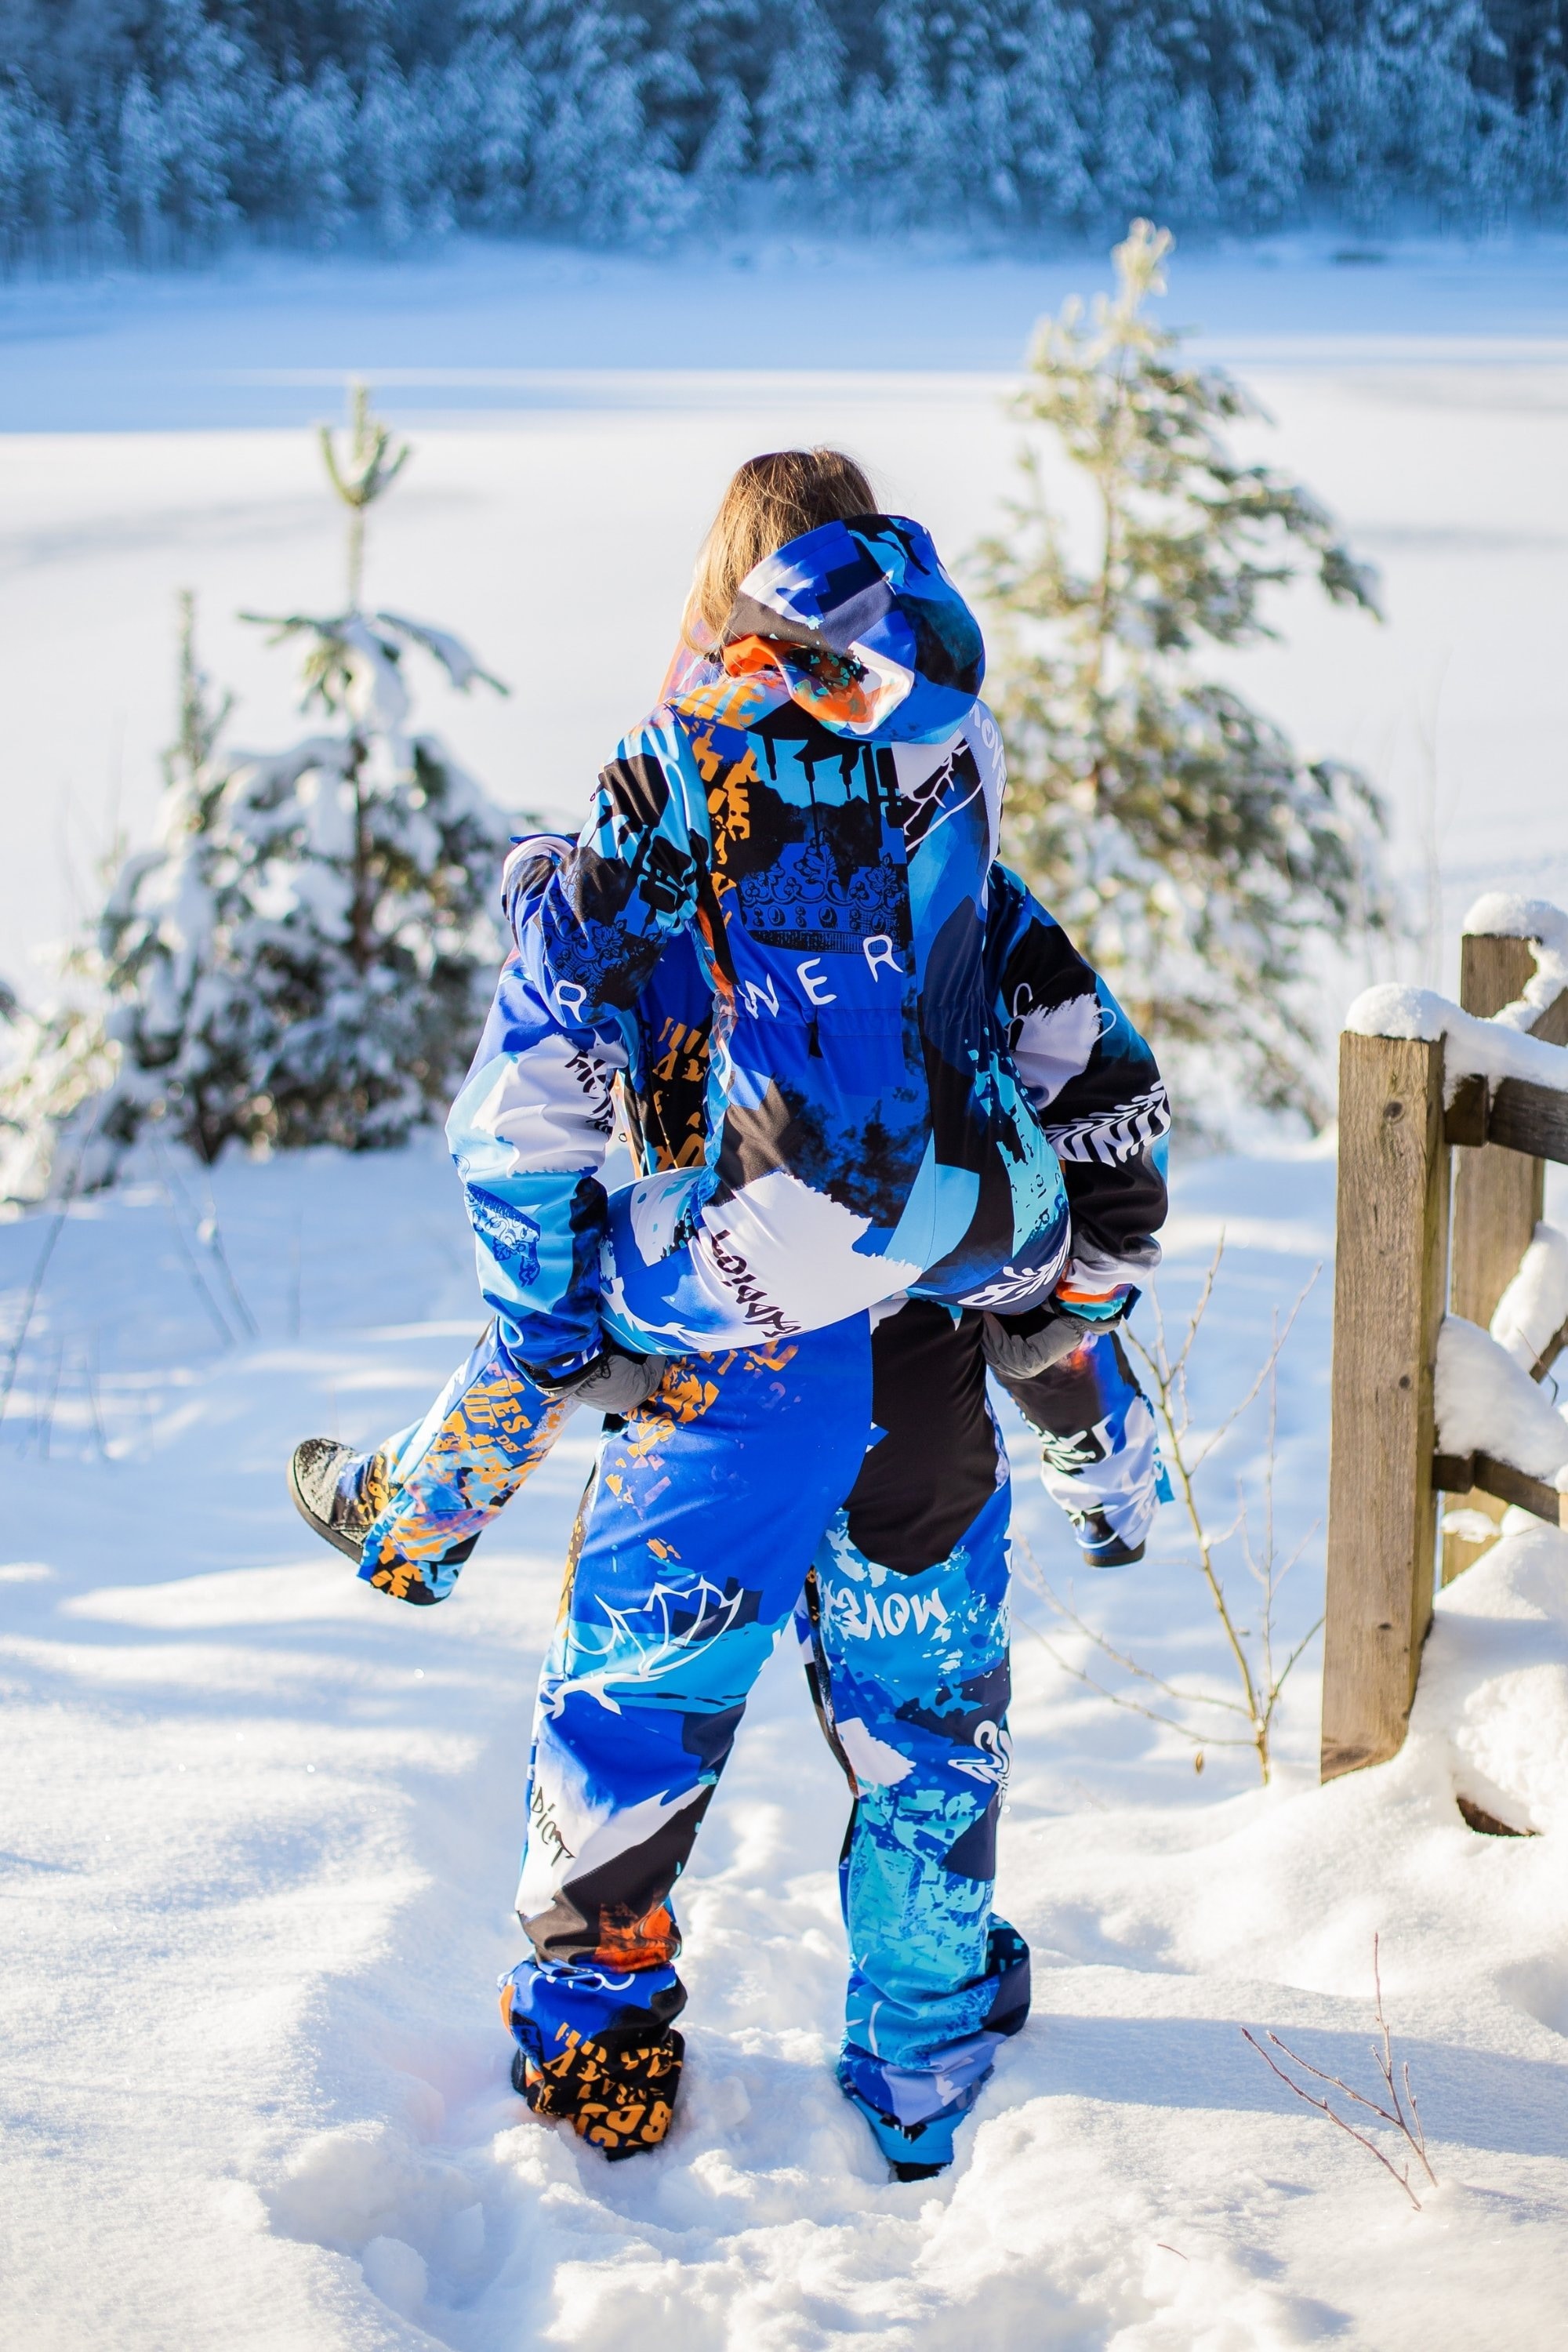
(1409,2126)
(1199,1740)
(294,1275)
(94,1405)
(193,1266)
(44,1413)
(1251,1648)
(1168,1376)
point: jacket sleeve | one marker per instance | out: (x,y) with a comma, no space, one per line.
(636,879)
(1094,1084)
(529,1133)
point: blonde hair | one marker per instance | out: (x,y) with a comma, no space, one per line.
(771,500)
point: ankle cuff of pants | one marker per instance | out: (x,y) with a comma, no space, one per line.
(619,2096)
(930,2142)
(421,1580)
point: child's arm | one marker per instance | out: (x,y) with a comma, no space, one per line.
(1097,1090)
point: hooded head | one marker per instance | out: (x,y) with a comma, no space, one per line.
(864,628)
(806,590)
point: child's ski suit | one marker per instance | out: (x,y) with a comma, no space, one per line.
(860,1064)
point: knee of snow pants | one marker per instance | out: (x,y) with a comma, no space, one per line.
(911,1672)
(452,1472)
(700,1523)
(1097,1449)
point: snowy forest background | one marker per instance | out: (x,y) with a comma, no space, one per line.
(153,128)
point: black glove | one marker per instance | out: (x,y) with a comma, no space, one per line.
(1021,1346)
(612,1382)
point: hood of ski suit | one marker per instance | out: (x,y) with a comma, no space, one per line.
(862,627)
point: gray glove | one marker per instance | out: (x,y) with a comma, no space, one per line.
(1021,1346)
(612,1382)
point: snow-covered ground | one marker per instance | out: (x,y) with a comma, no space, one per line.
(257,1825)
(257,1845)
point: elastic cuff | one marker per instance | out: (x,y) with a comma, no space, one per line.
(928,2143)
(422,1579)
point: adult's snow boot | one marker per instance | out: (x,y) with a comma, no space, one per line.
(618,2093)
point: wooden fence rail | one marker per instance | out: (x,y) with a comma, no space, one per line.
(1435,1209)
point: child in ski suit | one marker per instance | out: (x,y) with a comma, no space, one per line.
(837,1025)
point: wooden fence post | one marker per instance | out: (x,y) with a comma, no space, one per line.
(1499,1195)
(1390,1292)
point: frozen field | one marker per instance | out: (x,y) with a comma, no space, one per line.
(257,1825)
(576,418)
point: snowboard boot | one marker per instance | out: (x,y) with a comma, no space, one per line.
(617,2093)
(338,1492)
(1100,1545)
(918,2171)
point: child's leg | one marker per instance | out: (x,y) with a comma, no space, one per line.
(911,1675)
(1099,1458)
(444,1478)
(695,1537)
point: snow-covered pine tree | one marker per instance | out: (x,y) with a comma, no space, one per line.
(59,1066)
(599,159)
(490,110)
(305,136)
(1032,101)
(1456,141)
(719,171)
(365,949)
(801,114)
(305,954)
(1264,129)
(1175,830)
(1135,163)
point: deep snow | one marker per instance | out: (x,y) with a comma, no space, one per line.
(260,1837)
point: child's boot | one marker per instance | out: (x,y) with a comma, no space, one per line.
(338,1492)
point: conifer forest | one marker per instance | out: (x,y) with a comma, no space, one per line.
(154,129)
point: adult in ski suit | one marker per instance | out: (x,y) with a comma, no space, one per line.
(786,895)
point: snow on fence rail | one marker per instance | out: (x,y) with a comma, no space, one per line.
(1450,1298)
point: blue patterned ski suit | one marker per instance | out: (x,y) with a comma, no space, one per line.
(817,815)
(860,1065)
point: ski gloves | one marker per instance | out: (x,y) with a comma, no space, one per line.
(1020,1347)
(612,1382)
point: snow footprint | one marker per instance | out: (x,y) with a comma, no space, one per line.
(413,2223)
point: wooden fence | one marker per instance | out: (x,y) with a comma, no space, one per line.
(1436,1209)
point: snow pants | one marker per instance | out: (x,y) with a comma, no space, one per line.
(851,1482)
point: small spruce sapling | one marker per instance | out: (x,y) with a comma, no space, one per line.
(1176,832)
(374,858)
(305,955)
